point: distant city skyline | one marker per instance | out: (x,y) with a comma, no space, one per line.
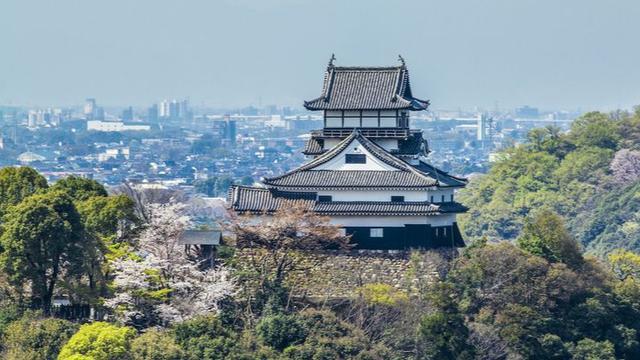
(552,55)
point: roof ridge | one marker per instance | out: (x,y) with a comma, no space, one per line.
(322,158)
(373,148)
(403,163)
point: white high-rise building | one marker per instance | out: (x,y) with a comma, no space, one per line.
(163,109)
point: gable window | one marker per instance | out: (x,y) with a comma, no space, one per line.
(356,159)
(376,232)
(325,198)
(397,199)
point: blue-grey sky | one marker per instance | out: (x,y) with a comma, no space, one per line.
(461,53)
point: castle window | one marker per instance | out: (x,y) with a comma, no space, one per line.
(451,197)
(431,198)
(325,198)
(356,159)
(397,199)
(442,198)
(376,232)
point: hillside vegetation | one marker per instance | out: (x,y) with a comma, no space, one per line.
(589,175)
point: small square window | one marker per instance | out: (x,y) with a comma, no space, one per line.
(376,232)
(325,198)
(397,199)
(356,159)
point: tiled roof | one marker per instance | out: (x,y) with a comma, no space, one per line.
(405,176)
(351,179)
(414,144)
(314,146)
(252,199)
(260,200)
(444,178)
(366,88)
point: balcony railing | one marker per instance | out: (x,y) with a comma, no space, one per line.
(368,132)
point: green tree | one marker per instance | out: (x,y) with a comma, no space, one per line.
(205,338)
(246,180)
(223,183)
(108,217)
(207,187)
(588,349)
(99,341)
(108,223)
(587,165)
(546,235)
(156,345)
(280,331)
(17,183)
(80,188)
(596,129)
(35,338)
(443,333)
(41,239)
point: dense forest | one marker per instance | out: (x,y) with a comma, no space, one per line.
(589,176)
(523,288)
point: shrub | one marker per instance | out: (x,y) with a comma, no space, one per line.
(280,331)
(155,345)
(99,341)
(35,338)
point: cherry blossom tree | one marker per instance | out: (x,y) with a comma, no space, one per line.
(160,282)
(626,166)
(291,229)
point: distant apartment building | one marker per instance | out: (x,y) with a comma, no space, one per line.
(527,112)
(114,153)
(98,125)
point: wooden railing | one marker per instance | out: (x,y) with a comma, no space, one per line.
(368,132)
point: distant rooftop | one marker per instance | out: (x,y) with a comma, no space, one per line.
(366,88)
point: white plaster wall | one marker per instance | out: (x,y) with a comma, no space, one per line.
(334,122)
(384,221)
(385,195)
(374,195)
(388,122)
(351,122)
(388,221)
(437,195)
(338,162)
(370,122)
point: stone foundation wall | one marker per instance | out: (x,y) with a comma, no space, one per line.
(338,274)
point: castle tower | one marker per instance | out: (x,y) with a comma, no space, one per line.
(368,170)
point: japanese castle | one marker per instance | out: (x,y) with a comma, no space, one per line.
(368,171)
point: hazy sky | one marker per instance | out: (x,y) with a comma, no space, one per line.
(546,53)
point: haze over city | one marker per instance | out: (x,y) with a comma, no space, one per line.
(554,55)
